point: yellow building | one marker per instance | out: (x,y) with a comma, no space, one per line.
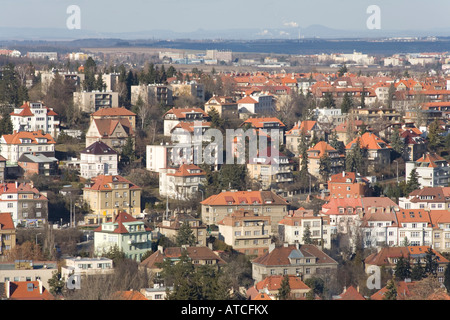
(7,233)
(109,195)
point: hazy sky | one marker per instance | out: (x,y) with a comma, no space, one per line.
(190,15)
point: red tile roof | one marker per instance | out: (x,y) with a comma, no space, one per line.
(16,137)
(273,283)
(369,141)
(6,222)
(103,182)
(120,111)
(28,290)
(259,197)
(351,293)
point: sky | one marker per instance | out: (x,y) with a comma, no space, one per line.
(191,15)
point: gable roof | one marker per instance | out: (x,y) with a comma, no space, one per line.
(106,127)
(273,283)
(180,113)
(369,141)
(102,182)
(6,222)
(280,255)
(350,293)
(323,149)
(28,290)
(237,197)
(98,148)
(16,137)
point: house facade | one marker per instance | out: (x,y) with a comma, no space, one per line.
(34,116)
(216,207)
(124,232)
(98,159)
(305,261)
(432,170)
(246,232)
(109,195)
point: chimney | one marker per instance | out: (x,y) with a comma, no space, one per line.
(40,286)
(271,247)
(8,288)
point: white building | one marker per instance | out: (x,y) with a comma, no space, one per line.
(13,146)
(176,115)
(415,227)
(432,170)
(256,104)
(98,159)
(181,183)
(34,116)
(86,267)
(293,226)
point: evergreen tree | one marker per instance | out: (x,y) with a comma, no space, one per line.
(413,182)
(185,235)
(56,283)
(303,151)
(307,235)
(447,277)
(217,121)
(391,293)
(354,158)
(336,144)
(342,70)
(391,93)
(325,167)
(402,269)
(285,290)
(417,272)
(328,101)
(397,143)
(171,72)
(363,97)
(431,263)
(435,139)
(347,103)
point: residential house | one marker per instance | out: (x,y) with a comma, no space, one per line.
(216,207)
(320,151)
(307,128)
(348,185)
(270,126)
(85,267)
(272,284)
(270,168)
(430,198)
(112,132)
(187,114)
(108,195)
(170,226)
(404,290)
(92,101)
(387,257)
(28,270)
(415,144)
(258,103)
(26,290)
(115,114)
(13,146)
(182,183)
(350,293)
(24,202)
(198,255)
(39,164)
(432,170)
(440,222)
(126,233)
(292,228)
(246,232)
(344,214)
(7,233)
(226,106)
(304,261)
(34,116)
(414,227)
(98,159)
(376,151)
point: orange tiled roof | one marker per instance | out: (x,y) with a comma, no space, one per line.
(26,111)
(6,222)
(322,147)
(28,290)
(16,137)
(259,122)
(369,141)
(351,294)
(120,111)
(431,159)
(102,182)
(180,113)
(129,295)
(250,197)
(185,171)
(274,283)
